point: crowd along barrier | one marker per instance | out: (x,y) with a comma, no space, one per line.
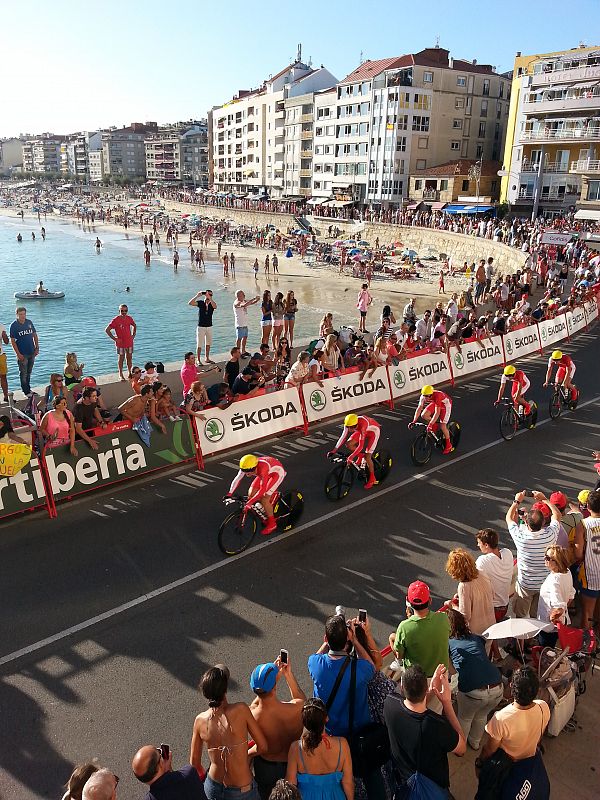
(57,474)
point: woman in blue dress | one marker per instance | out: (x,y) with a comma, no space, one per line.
(320,765)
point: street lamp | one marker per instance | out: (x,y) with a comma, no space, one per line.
(475,174)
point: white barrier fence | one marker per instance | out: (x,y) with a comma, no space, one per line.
(276,412)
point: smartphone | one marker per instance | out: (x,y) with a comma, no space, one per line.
(362,615)
(165,751)
(283,656)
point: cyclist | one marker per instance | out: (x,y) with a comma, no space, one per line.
(435,406)
(520,385)
(564,373)
(268,474)
(364,433)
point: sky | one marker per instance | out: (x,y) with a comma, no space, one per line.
(70,66)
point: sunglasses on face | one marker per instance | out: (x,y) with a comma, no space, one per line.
(124,310)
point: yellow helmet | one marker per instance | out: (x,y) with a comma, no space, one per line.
(427,390)
(583,496)
(509,370)
(351,420)
(248,462)
(557,355)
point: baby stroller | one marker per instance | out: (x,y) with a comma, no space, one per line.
(583,651)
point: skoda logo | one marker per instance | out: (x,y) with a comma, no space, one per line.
(544,334)
(399,379)
(459,361)
(317,400)
(509,347)
(214,430)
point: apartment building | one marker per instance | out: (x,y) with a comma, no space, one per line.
(551,158)
(398,115)
(42,154)
(178,154)
(123,150)
(11,155)
(96,165)
(323,145)
(247,134)
(465,181)
(74,152)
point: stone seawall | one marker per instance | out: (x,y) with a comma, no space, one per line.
(426,241)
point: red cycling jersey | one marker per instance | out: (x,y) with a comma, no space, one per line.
(437,399)
(518,379)
(365,435)
(566,361)
(269,475)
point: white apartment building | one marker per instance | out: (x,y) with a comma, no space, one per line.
(42,154)
(74,152)
(323,145)
(552,156)
(247,134)
(96,163)
(178,154)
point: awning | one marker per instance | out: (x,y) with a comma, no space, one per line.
(588,213)
(454,208)
(292,197)
(316,201)
(437,206)
(339,203)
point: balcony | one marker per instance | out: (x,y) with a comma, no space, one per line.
(305,192)
(306,173)
(306,153)
(557,166)
(561,104)
(569,74)
(279,148)
(430,194)
(306,118)
(304,135)
(571,134)
(587,166)
(557,193)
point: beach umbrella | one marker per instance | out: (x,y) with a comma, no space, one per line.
(363,243)
(409,253)
(357,258)
(524,628)
(354,251)
(338,243)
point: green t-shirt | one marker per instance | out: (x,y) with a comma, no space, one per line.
(423,641)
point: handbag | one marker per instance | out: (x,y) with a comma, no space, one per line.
(370,746)
(493,773)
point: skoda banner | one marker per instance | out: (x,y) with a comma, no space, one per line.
(346,394)
(248,420)
(119,456)
(591,309)
(522,342)
(475,356)
(414,373)
(576,320)
(553,330)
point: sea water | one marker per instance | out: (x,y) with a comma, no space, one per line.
(95,285)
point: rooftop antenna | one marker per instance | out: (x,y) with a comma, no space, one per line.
(437,40)
(299,56)
(361,57)
(310,61)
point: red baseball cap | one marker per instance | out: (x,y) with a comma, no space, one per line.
(559,499)
(418,592)
(89,381)
(543,508)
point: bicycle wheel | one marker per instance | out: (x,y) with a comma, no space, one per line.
(234,537)
(289,509)
(509,423)
(382,464)
(555,406)
(339,482)
(421,449)
(454,430)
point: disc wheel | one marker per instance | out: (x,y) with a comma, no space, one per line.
(555,406)
(289,509)
(455,431)
(421,449)
(382,464)
(338,483)
(235,536)
(509,423)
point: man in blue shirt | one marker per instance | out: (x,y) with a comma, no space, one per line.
(24,339)
(153,766)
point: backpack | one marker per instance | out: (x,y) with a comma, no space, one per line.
(423,788)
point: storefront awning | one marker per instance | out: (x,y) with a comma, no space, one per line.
(316,201)
(588,213)
(454,208)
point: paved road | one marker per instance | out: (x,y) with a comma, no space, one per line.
(131,677)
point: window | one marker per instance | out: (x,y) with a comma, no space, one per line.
(455,145)
(401,144)
(481,130)
(420,124)
(421,163)
(423,142)
(318,131)
(461,80)
(444,184)
(493,186)
(422,102)
(403,122)
(317,184)
(418,184)
(498,109)
(479,151)
(501,90)
(457,123)
(497,131)
(459,102)
(428,77)
(593,192)
(486,88)
(484,108)
(465,186)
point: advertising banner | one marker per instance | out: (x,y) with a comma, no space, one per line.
(346,394)
(557,239)
(576,320)
(249,420)
(522,342)
(591,309)
(414,373)
(118,457)
(475,356)
(553,330)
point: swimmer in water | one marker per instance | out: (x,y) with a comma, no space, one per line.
(98,244)
(43,233)
(127,289)
(32,236)
(19,237)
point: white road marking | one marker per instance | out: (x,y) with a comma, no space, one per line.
(169,587)
(236,467)
(114,508)
(297,446)
(386,416)
(98,513)
(189,480)
(309,442)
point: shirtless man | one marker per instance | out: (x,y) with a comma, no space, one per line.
(225,729)
(281,722)
(134,408)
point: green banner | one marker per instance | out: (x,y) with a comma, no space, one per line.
(120,455)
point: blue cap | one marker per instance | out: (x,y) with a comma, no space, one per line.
(264,677)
